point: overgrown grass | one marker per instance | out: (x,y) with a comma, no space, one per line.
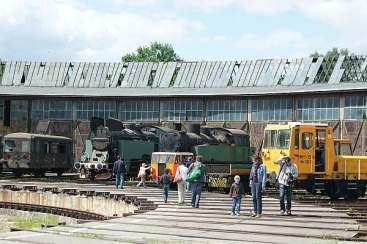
(30,222)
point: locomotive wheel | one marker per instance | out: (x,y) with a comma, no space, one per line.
(40,173)
(332,190)
(351,195)
(17,173)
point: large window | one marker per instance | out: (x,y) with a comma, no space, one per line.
(52,109)
(139,110)
(183,110)
(271,109)
(227,110)
(19,110)
(101,109)
(318,108)
(1,109)
(277,139)
(355,107)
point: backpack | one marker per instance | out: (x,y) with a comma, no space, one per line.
(166,180)
(195,174)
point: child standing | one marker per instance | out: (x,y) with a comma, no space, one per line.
(236,193)
(166,181)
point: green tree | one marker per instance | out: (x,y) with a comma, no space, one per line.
(333,53)
(155,52)
(350,66)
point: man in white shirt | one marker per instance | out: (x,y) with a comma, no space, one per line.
(287,176)
(181,173)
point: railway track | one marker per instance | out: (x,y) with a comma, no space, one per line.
(210,223)
(308,219)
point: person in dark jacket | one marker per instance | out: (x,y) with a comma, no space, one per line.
(197,185)
(119,170)
(236,192)
(166,181)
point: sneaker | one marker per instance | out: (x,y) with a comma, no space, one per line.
(232,213)
(258,216)
(289,213)
(238,214)
(282,212)
(253,215)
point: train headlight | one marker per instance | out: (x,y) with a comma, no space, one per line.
(84,157)
(99,166)
(92,166)
(103,158)
(77,165)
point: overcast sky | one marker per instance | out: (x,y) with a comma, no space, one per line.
(96,30)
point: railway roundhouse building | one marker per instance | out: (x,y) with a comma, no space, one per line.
(59,97)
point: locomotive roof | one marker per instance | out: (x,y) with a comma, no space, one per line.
(236,131)
(293,124)
(33,135)
(173,153)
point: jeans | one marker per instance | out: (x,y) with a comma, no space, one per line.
(165,192)
(188,186)
(181,191)
(256,192)
(119,180)
(236,204)
(285,191)
(196,188)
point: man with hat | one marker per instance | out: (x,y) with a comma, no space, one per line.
(287,176)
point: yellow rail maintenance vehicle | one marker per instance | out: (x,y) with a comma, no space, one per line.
(325,165)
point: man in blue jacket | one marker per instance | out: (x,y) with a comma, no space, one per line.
(257,184)
(119,169)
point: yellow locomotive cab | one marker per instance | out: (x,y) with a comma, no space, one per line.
(324,164)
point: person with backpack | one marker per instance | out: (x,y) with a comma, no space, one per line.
(197,178)
(257,184)
(236,191)
(119,170)
(166,182)
(188,164)
(286,177)
(180,179)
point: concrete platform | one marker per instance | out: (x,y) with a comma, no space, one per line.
(211,223)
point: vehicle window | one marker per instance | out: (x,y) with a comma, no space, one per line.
(9,146)
(26,146)
(283,139)
(45,147)
(155,158)
(270,138)
(61,148)
(166,158)
(307,140)
(345,149)
(296,139)
(54,146)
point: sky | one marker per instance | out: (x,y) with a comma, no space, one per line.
(104,30)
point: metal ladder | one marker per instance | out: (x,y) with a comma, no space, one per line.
(319,185)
